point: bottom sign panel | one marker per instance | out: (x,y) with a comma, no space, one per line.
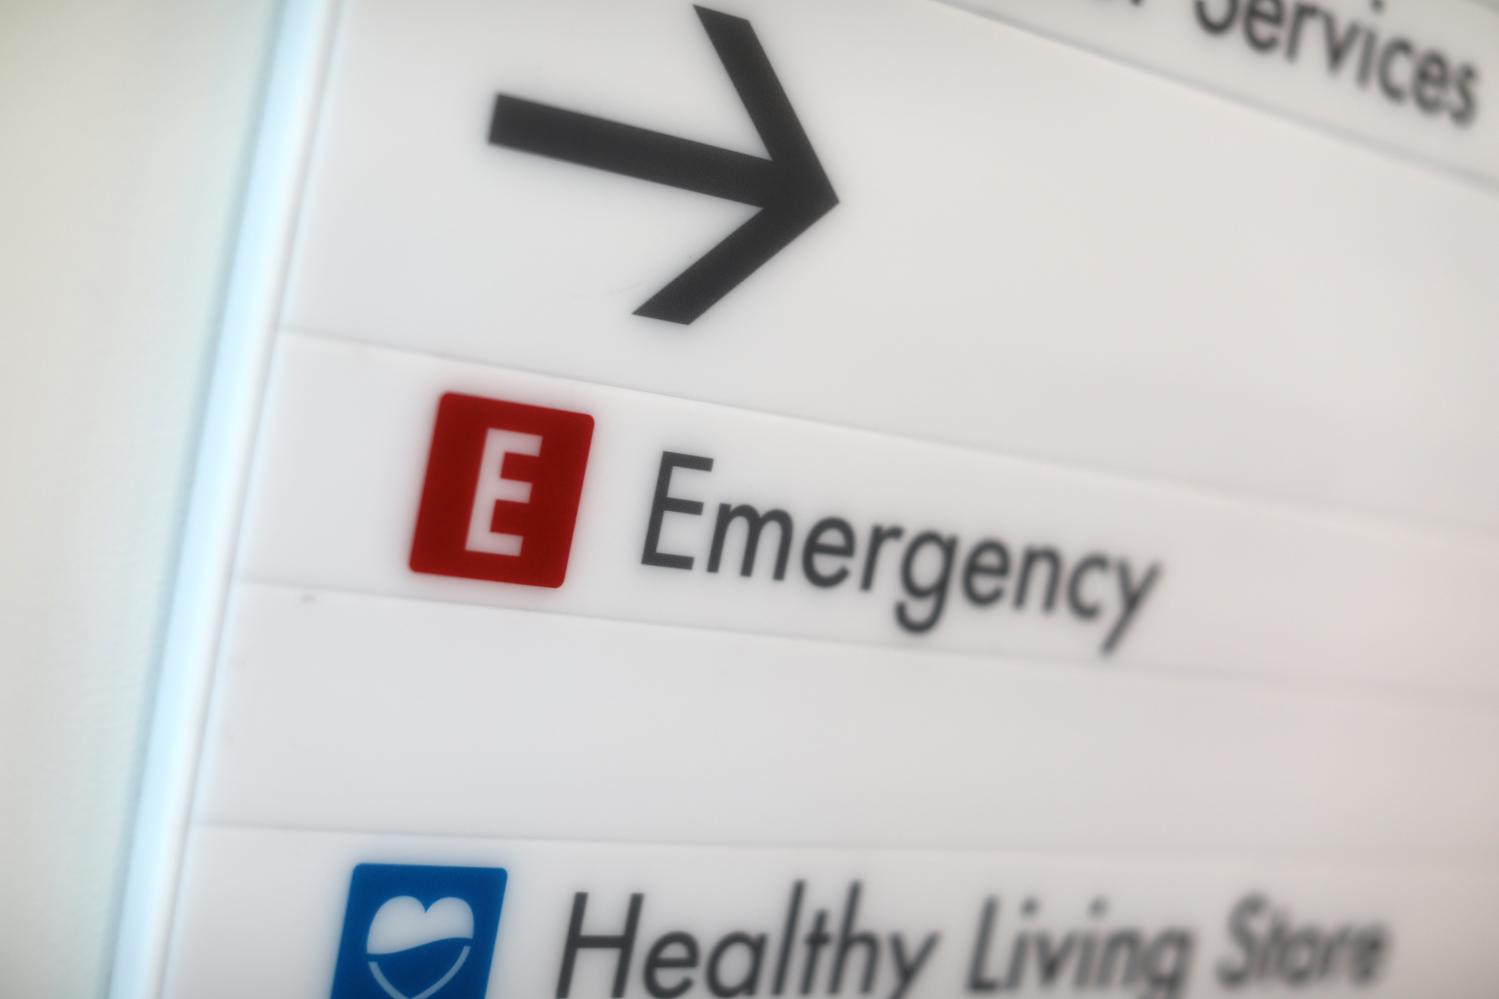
(306,913)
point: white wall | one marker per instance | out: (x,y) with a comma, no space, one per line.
(123,127)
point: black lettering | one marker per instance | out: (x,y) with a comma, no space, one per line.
(1299,954)
(977,567)
(663,503)
(978,980)
(1051,956)
(878,535)
(657,960)
(788,936)
(1124,942)
(1167,962)
(814,547)
(848,940)
(1089,563)
(1299,17)
(1338,47)
(1037,556)
(1366,58)
(1329,951)
(1133,596)
(749,982)
(906,969)
(576,941)
(1269,15)
(816,939)
(1240,928)
(934,590)
(754,523)
(1391,87)
(1432,78)
(1467,105)
(1222,24)
(1366,961)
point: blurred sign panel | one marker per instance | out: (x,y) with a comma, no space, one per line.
(848,497)
(1034,250)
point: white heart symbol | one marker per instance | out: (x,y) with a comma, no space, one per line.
(402,923)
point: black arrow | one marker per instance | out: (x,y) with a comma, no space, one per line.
(789,187)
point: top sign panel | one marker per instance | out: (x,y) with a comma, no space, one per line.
(857,211)
(1414,76)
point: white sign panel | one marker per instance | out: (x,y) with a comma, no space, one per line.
(844,498)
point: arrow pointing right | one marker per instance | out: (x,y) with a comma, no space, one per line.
(790,188)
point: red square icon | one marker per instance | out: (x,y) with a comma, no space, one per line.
(502,489)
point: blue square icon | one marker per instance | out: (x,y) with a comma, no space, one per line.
(418,932)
